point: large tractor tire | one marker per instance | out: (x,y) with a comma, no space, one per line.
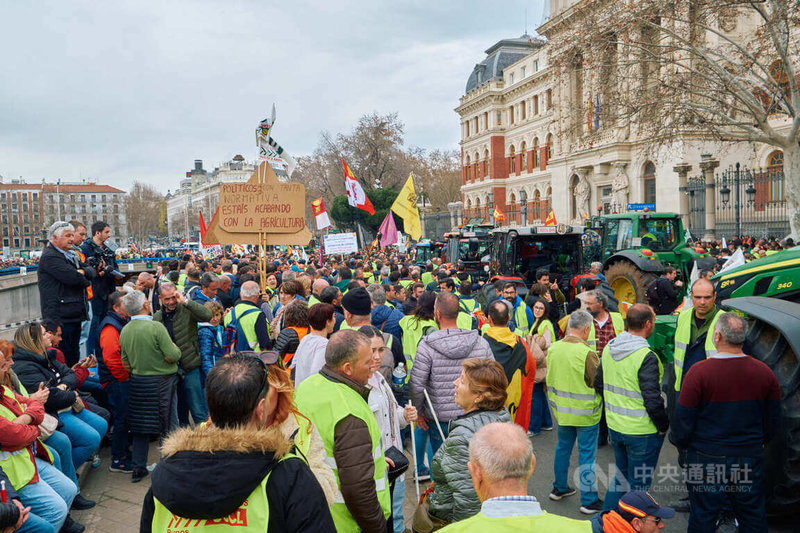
(628,281)
(773,337)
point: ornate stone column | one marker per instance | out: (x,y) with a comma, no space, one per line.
(683,169)
(708,164)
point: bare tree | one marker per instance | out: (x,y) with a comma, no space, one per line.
(143,212)
(717,70)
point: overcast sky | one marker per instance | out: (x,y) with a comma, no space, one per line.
(136,90)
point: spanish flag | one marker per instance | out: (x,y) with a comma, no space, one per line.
(551,219)
(405,206)
(499,215)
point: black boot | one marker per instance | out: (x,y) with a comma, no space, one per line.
(81,504)
(71,526)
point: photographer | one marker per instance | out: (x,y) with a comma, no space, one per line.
(62,288)
(103,260)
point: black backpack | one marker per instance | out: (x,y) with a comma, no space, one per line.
(652,294)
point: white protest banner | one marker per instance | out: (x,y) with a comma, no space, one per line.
(340,243)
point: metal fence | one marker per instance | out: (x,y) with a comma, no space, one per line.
(746,201)
(436,225)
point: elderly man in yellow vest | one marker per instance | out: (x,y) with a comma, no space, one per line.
(571,368)
(694,336)
(630,380)
(501,461)
(606,325)
(335,400)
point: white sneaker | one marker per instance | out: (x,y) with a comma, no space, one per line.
(151,467)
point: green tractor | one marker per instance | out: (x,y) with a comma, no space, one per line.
(636,247)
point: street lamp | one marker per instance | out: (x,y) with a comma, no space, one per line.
(523,198)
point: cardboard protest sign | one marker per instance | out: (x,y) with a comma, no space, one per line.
(261,211)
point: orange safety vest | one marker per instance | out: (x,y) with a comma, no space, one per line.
(301,332)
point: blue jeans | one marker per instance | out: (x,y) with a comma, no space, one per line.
(398,497)
(191,398)
(84,429)
(636,457)
(540,411)
(62,454)
(714,481)
(428,440)
(118,400)
(51,497)
(587,451)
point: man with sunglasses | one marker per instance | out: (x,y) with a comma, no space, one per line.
(335,400)
(636,511)
(236,472)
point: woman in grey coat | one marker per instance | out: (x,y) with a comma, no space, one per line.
(481,392)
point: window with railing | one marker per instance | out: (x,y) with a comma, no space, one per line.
(775,172)
(513,156)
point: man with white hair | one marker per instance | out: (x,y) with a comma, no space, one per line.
(501,462)
(249,320)
(62,288)
(571,369)
(151,359)
(596,270)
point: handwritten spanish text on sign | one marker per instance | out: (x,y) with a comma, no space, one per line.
(273,207)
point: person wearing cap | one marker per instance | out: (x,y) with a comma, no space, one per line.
(357,305)
(335,400)
(238,472)
(636,511)
(501,462)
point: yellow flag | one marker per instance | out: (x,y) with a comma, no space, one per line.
(405,206)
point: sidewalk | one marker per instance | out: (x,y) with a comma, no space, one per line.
(119,502)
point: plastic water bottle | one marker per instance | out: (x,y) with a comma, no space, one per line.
(399,376)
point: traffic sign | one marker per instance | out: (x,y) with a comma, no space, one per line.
(641,207)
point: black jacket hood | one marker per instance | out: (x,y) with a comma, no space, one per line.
(209,472)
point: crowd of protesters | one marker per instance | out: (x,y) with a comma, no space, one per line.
(294,403)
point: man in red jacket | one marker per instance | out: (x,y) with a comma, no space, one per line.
(114,379)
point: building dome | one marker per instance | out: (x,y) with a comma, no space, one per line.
(498,57)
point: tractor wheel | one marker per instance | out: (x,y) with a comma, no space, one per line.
(782,454)
(628,281)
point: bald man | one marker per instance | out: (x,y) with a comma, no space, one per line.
(316,289)
(149,285)
(501,462)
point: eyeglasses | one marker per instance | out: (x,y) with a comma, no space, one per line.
(656,520)
(266,358)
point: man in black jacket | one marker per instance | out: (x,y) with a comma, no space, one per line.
(667,291)
(102,258)
(62,288)
(236,468)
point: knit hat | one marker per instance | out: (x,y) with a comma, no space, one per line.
(357,302)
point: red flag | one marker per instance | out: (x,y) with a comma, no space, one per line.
(355,193)
(203,227)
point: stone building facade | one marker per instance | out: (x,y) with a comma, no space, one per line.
(533,134)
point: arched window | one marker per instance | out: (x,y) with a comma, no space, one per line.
(649,183)
(775,173)
(469,169)
(537,205)
(781,92)
(486,163)
(476,162)
(512,154)
(549,146)
(535,153)
(524,150)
